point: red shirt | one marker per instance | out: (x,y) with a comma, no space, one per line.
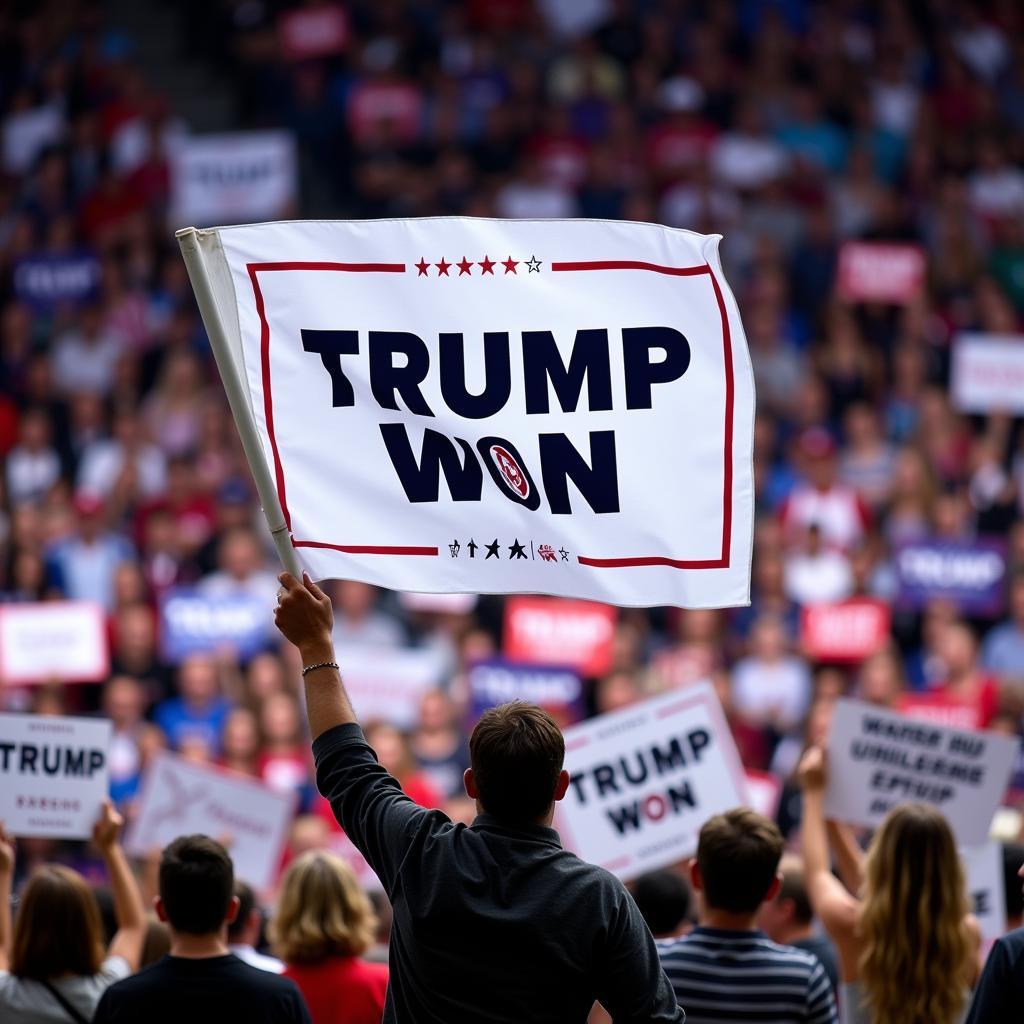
(342,989)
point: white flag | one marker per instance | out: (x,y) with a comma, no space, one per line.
(486,406)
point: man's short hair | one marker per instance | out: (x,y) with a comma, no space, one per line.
(516,752)
(738,854)
(664,899)
(246,905)
(794,888)
(196,884)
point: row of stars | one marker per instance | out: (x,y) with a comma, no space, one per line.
(486,266)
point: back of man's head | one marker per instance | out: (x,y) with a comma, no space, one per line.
(516,753)
(238,929)
(738,854)
(793,888)
(664,899)
(196,884)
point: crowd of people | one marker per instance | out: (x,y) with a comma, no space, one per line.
(789,127)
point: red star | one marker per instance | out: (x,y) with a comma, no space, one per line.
(421,267)
(442,267)
(510,265)
(488,265)
(465,267)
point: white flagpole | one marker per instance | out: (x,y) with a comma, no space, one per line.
(238,399)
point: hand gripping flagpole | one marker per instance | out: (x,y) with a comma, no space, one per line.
(238,399)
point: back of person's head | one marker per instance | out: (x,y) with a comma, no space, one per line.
(516,753)
(793,891)
(321,911)
(196,884)
(738,855)
(57,929)
(664,899)
(914,963)
(246,905)
(1013,858)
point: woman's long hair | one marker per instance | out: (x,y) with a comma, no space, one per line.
(914,968)
(57,929)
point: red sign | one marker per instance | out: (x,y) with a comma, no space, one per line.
(550,631)
(313,32)
(942,709)
(879,272)
(848,631)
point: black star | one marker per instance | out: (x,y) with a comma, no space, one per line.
(492,550)
(534,264)
(564,554)
(472,546)
(516,550)
(421,267)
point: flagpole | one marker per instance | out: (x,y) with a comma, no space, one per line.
(238,399)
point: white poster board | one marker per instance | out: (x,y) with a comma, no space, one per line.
(983,866)
(879,759)
(53,774)
(180,798)
(387,684)
(62,640)
(645,779)
(988,373)
(494,406)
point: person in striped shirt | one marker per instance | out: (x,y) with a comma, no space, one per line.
(726,969)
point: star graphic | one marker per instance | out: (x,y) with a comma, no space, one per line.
(510,265)
(492,549)
(472,546)
(442,267)
(516,550)
(422,267)
(534,264)
(465,267)
(488,265)
(564,554)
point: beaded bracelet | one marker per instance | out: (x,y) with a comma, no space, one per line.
(320,664)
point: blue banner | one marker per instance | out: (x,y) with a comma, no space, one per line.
(192,623)
(45,281)
(970,574)
(558,690)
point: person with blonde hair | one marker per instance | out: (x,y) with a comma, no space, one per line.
(908,947)
(53,966)
(323,925)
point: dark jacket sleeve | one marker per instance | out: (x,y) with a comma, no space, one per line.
(994,999)
(632,985)
(368,802)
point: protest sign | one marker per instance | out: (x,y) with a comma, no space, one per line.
(983,866)
(490,406)
(643,780)
(988,373)
(340,844)
(941,708)
(63,640)
(180,798)
(309,33)
(971,574)
(388,684)
(53,774)
(234,176)
(195,623)
(880,272)
(847,631)
(879,759)
(559,690)
(764,790)
(548,631)
(45,281)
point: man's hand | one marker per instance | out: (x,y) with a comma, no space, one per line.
(813,770)
(107,828)
(305,617)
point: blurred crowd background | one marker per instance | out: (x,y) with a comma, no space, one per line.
(789,127)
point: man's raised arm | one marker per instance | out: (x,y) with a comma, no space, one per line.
(305,617)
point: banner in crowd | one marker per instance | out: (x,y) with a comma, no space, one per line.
(879,759)
(62,640)
(180,798)
(234,176)
(880,272)
(387,684)
(971,574)
(47,281)
(550,631)
(644,780)
(313,32)
(846,631)
(195,623)
(764,791)
(988,373)
(53,774)
(557,689)
(983,866)
(492,406)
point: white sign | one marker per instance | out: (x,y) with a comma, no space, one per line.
(180,798)
(62,640)
(645,779)
(879,759)
(983,866)
(220,179)
(388,684)
(988,373)
(486,406)
(53,774)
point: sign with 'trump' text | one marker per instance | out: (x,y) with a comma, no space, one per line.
(53,774)
(487,406)
(879,759)
(645,779)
